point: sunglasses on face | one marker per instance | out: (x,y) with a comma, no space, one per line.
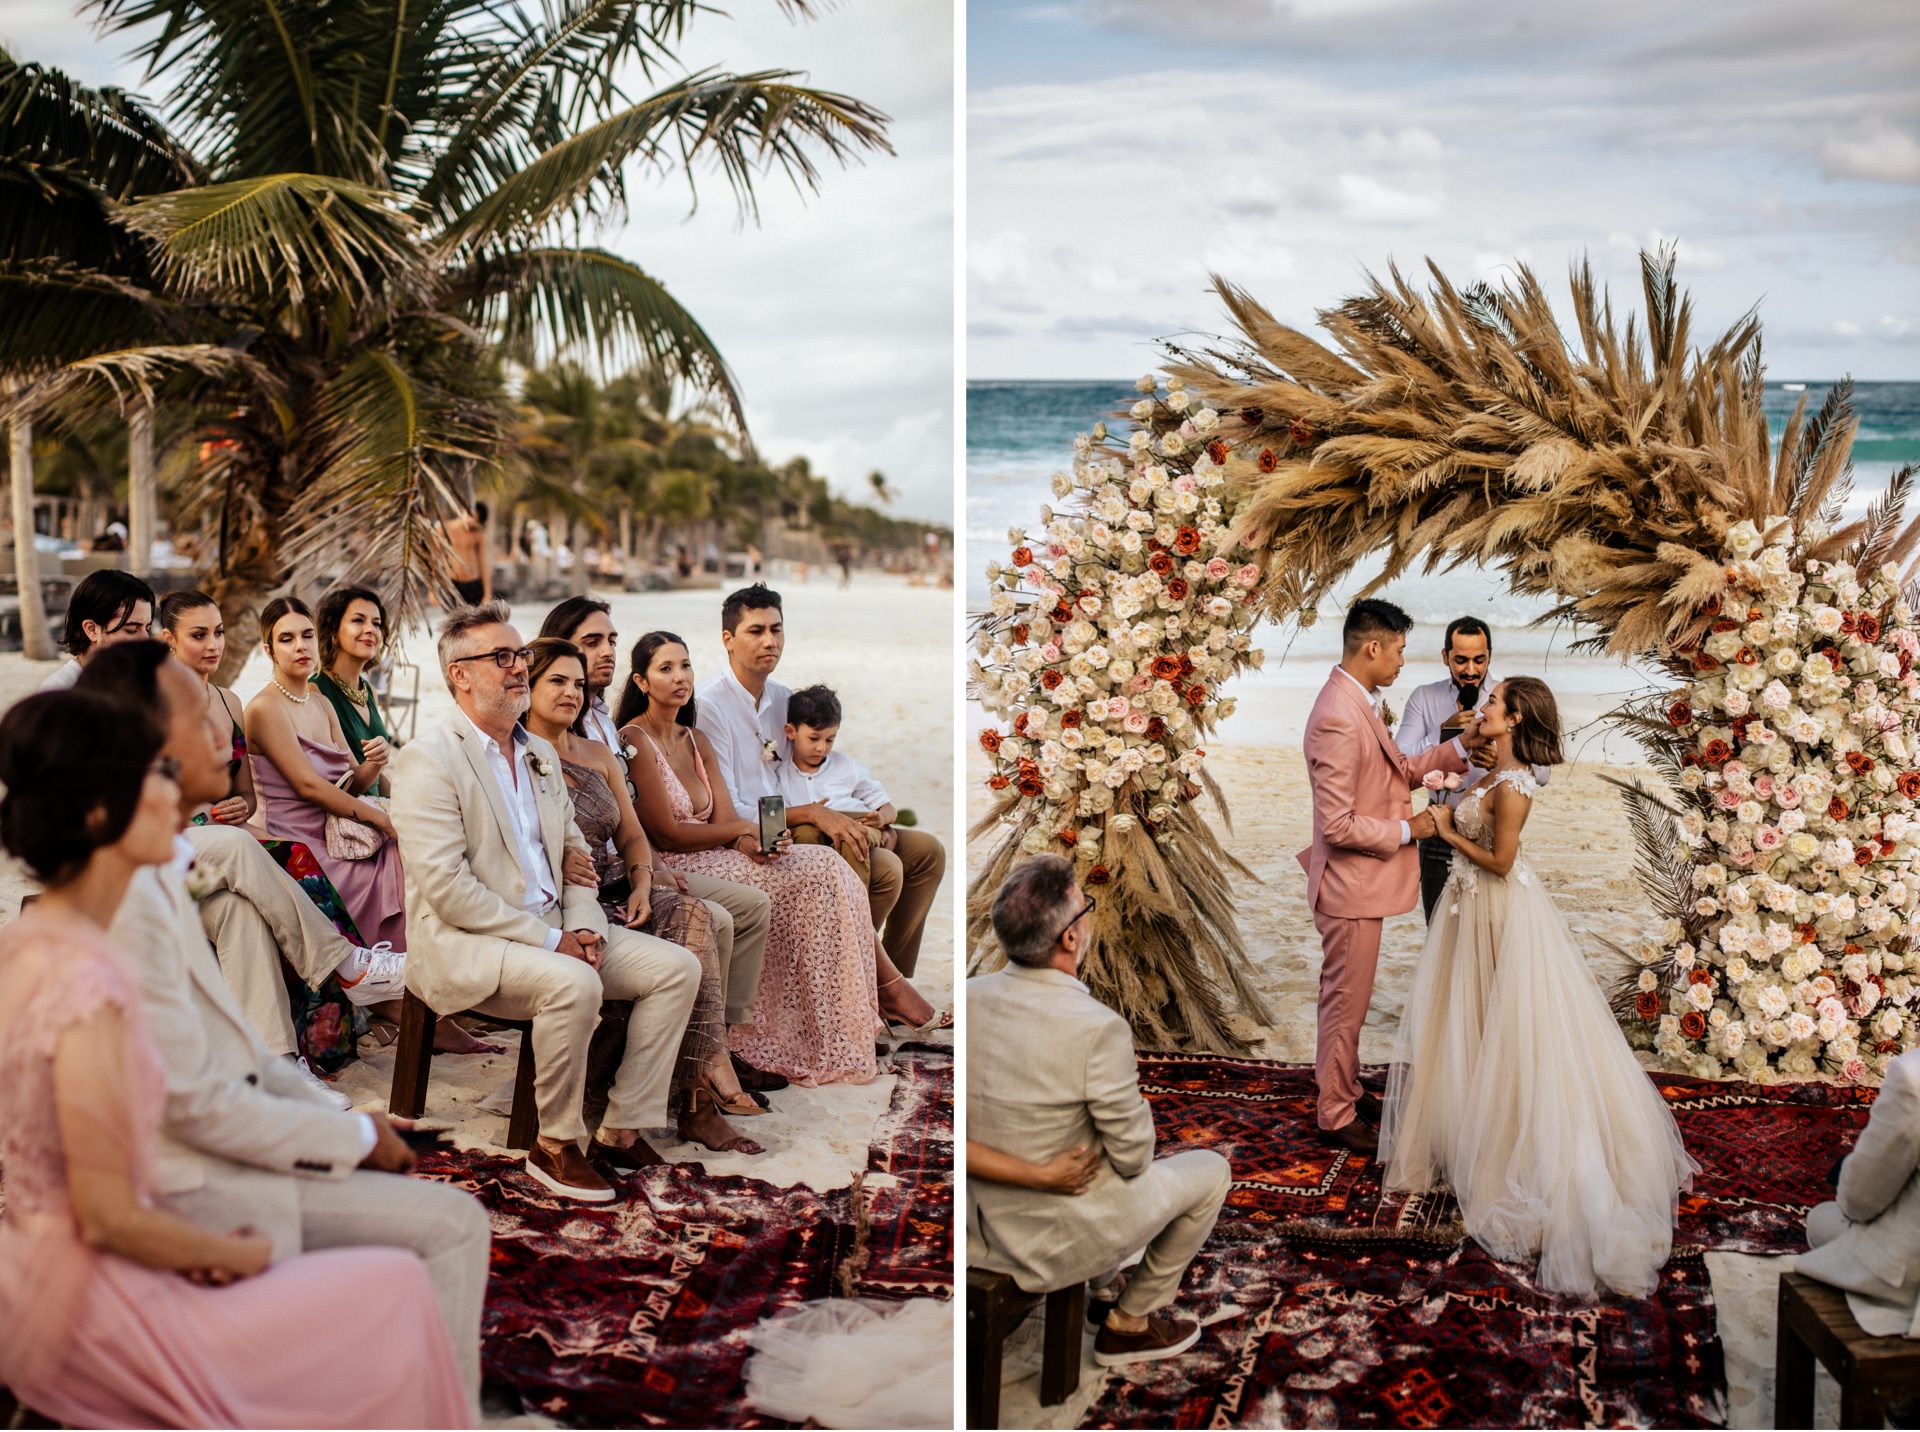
(504,657)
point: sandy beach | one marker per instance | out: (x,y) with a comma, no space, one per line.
(887,649)
(1578,839)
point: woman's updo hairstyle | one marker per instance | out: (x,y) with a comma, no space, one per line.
(1537,741)
(271,613)
(73,763)
(174,607)
(633,701)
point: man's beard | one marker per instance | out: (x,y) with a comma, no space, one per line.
(505,706)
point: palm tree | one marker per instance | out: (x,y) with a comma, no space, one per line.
(337,221)
(883,492)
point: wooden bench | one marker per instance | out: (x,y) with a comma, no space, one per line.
(413,1066)
(995,1307)
(1816,1325)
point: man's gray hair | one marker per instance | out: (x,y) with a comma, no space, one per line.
(1032,908)
(460,621)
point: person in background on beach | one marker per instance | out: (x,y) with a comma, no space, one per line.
(902,871)
(1051,1072)
(304,774)
(194,631)
(639,893)
(495,924)
(352,624)
(251,911)
(1440,710)
(120,1309)
(107,606)
(472,570)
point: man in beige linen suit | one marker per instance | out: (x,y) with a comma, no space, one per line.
(1050,1068)
(485,824)
(245,1140)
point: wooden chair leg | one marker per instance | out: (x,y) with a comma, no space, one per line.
(524,1122)
(1792,1375)
(1860,1407)
(983,1365)
(1066,1310)
(412,1058)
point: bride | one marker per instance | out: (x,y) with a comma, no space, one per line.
(1510,1081)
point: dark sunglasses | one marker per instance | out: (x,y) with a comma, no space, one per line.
(503,657)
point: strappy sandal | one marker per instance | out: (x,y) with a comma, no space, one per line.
(745,1105)
(903,1031)
(738,1144)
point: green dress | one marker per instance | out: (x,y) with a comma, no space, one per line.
(359,724)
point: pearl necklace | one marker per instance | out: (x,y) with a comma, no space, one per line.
(296,700)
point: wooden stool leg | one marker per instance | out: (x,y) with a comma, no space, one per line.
(1860,1407)
(412,1058)
(1066,1310)
(983,1363)
(1792,1374)
(524,1122)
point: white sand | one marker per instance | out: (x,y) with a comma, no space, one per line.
(888,650)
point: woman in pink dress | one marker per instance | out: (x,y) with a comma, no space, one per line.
(826,979)
(115,1312)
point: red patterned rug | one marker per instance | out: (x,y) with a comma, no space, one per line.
(1331,1302)
(635,1314)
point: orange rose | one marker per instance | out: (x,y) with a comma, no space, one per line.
(1177,588)
(1023,556)
(1021,632)
(1160,563)
(1269,459)
(1165,668)
(1031,786)
(1099,875)
(990,740)
(1718,752)
(1156,728)
(1051,678)
(1647,1005)
(1217,450)
(1863,854)
(1196,695)
(1300,432)
(1679,713)
(1836,809)
(1698,975)
(1860,762)
(1069,837)
(1186,541)
(1908,783)
(1693,1024)
(1071,718)
(1869,627)
(998,783)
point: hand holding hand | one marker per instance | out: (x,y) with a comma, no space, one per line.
(1071,1172)
(674,878)
(593,947)
(576,868)
(390,1153)
(843,830)
(573,944)
(1424,824)
(1442,820)
(245,1253)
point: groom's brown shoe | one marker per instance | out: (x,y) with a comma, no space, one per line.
(1355,1137)
(1367,1107)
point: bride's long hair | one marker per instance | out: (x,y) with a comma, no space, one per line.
(1536,739)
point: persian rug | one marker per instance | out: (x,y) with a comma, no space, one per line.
(1331,1301)
(636,1313)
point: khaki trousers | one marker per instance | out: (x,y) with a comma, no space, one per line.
(254,914)
(742,914)
(562,996)
(1189,1186)
(900,885)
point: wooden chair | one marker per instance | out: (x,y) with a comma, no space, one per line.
(995,1307)
(413,1066)
(1817,1326)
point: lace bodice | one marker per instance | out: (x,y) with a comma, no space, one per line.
(56,973)
(1468,820)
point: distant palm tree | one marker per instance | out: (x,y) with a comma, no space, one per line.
(882,492)
(338,220)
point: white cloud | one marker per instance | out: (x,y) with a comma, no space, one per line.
(1368,201)
(1846,328)
(1877,152)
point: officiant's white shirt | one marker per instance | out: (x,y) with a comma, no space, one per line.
(1427,709)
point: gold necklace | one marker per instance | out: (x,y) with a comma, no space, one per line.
(357,695)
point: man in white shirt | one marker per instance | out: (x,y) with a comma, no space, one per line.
(1440,709)
(107,606)
(587,622)
(485,825)
(902,871)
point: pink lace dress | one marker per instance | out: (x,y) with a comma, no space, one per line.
(818,1011)
(96,1340)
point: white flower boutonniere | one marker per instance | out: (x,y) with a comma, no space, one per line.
(541,769)
(628,751)
(199,883)
(769,752)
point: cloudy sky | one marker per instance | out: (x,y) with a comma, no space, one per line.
(836,311)
(1119,150)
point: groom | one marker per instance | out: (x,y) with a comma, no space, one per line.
(1361,866)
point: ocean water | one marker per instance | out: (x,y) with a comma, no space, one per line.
(1020,433)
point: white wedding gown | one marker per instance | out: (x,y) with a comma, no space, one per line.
(1512,1084)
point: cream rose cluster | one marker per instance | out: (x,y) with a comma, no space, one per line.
(1796,741)
(1112,630)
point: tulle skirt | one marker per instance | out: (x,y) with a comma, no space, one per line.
(1511,1083)
(847,1363)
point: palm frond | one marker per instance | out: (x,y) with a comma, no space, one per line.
(52,122)
(56,312)
(130,377)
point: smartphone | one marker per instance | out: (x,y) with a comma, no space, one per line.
(773,821)
(424,1140)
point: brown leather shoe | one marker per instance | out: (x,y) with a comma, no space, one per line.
(1355,1137)
(626,1160)
(756,1081)
(568,1174)
(1167,1334)
(1367,1107)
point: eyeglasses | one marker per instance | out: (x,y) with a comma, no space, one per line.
(504,657)
(1086,909)
(165,766)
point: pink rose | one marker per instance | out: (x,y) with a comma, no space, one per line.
(1433,780)
(1768,837)
(1728,799)
(1183,484)
(1054,549)
(1788,796)
(1050,652)
(1035,576)
(1763,785)
(1140,683)
(1217,568)
(1117,706)
(1743,856)
(1248,575)
(1854,1069)
(1136,722)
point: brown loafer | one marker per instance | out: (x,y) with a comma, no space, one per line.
(626,1160)
(1367,1107)
(568,1174)
(1355,1137)
(1165,1335)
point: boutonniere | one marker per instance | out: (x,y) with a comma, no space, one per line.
(628,751)
(1386,715)
(541,769)
(769,752)
(199,883)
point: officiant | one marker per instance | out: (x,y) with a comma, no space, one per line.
(1442,709)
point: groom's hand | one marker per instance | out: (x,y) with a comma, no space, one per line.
(1421,827)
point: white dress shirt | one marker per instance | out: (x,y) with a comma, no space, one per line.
(63,676)
(738,727)
(841,783)
(1373,700)
(599,724)
(1427,710)
(515,781)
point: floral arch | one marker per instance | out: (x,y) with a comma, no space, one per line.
(1625,474)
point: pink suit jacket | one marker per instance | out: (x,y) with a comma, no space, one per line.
(1362,789)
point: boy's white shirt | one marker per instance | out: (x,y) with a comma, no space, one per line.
(841,783)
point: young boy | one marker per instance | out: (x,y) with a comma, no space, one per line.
(904,866)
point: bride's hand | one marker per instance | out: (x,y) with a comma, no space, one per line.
(1442,818)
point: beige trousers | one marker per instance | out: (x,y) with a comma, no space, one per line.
(742,915)
(254,914)
(1187,1189)
(562,996)
(900,883)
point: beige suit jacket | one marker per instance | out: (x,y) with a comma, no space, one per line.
(1049,1068)
(239,1122)
(463,875)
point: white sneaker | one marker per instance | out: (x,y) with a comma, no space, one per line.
(320,1086)
(381,974)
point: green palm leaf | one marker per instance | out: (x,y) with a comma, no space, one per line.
(55,310)
(49,120)
(130,377)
